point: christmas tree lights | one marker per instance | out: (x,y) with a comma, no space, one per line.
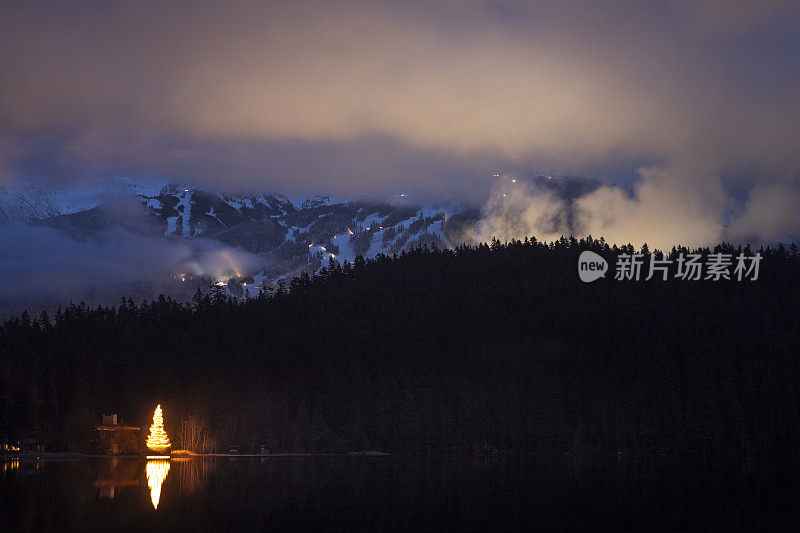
(158,441)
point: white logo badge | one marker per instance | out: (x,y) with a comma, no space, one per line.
(591,266)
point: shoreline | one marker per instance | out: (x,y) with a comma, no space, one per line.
(75,455)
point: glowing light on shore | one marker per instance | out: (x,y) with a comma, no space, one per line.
(158,441)
(157,471)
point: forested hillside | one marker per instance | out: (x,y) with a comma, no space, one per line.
(483,348)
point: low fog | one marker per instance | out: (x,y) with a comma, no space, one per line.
(43,268)
(666,207)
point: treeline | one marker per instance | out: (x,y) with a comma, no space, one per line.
(495,347)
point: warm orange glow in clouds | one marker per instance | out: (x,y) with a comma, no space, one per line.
(573,81)
(352,96)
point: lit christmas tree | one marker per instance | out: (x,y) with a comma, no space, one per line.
(158,440)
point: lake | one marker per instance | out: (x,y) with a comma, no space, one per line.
(346,493)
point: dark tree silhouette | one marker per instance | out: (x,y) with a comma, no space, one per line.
(476,349)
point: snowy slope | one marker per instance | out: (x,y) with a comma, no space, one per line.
(31,202)
(293,234)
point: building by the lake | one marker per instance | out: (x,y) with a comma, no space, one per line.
(117,438)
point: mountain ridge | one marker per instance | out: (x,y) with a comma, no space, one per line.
(292,235)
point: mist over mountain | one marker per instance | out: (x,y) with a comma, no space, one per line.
(121,237)
(686,109)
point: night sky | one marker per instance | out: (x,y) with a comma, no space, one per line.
(691,105)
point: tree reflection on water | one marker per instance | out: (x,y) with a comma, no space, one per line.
(157,470)
(431,492)
(192,473)
(115,475)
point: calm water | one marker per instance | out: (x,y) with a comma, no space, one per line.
(387,493)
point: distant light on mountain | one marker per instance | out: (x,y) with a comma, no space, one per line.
(84,242)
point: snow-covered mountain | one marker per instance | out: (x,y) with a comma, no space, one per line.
(30,202)
(140,240)
(293,235)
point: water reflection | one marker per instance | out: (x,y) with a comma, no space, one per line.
(157,470)
(117,474)
(192,473)
(438,492)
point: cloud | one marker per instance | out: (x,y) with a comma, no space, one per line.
(769,216)
(42,265)
(571,82)
(664,209)
(732,16)
(668,206)
(354,96)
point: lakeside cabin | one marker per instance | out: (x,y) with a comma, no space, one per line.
(116,438)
